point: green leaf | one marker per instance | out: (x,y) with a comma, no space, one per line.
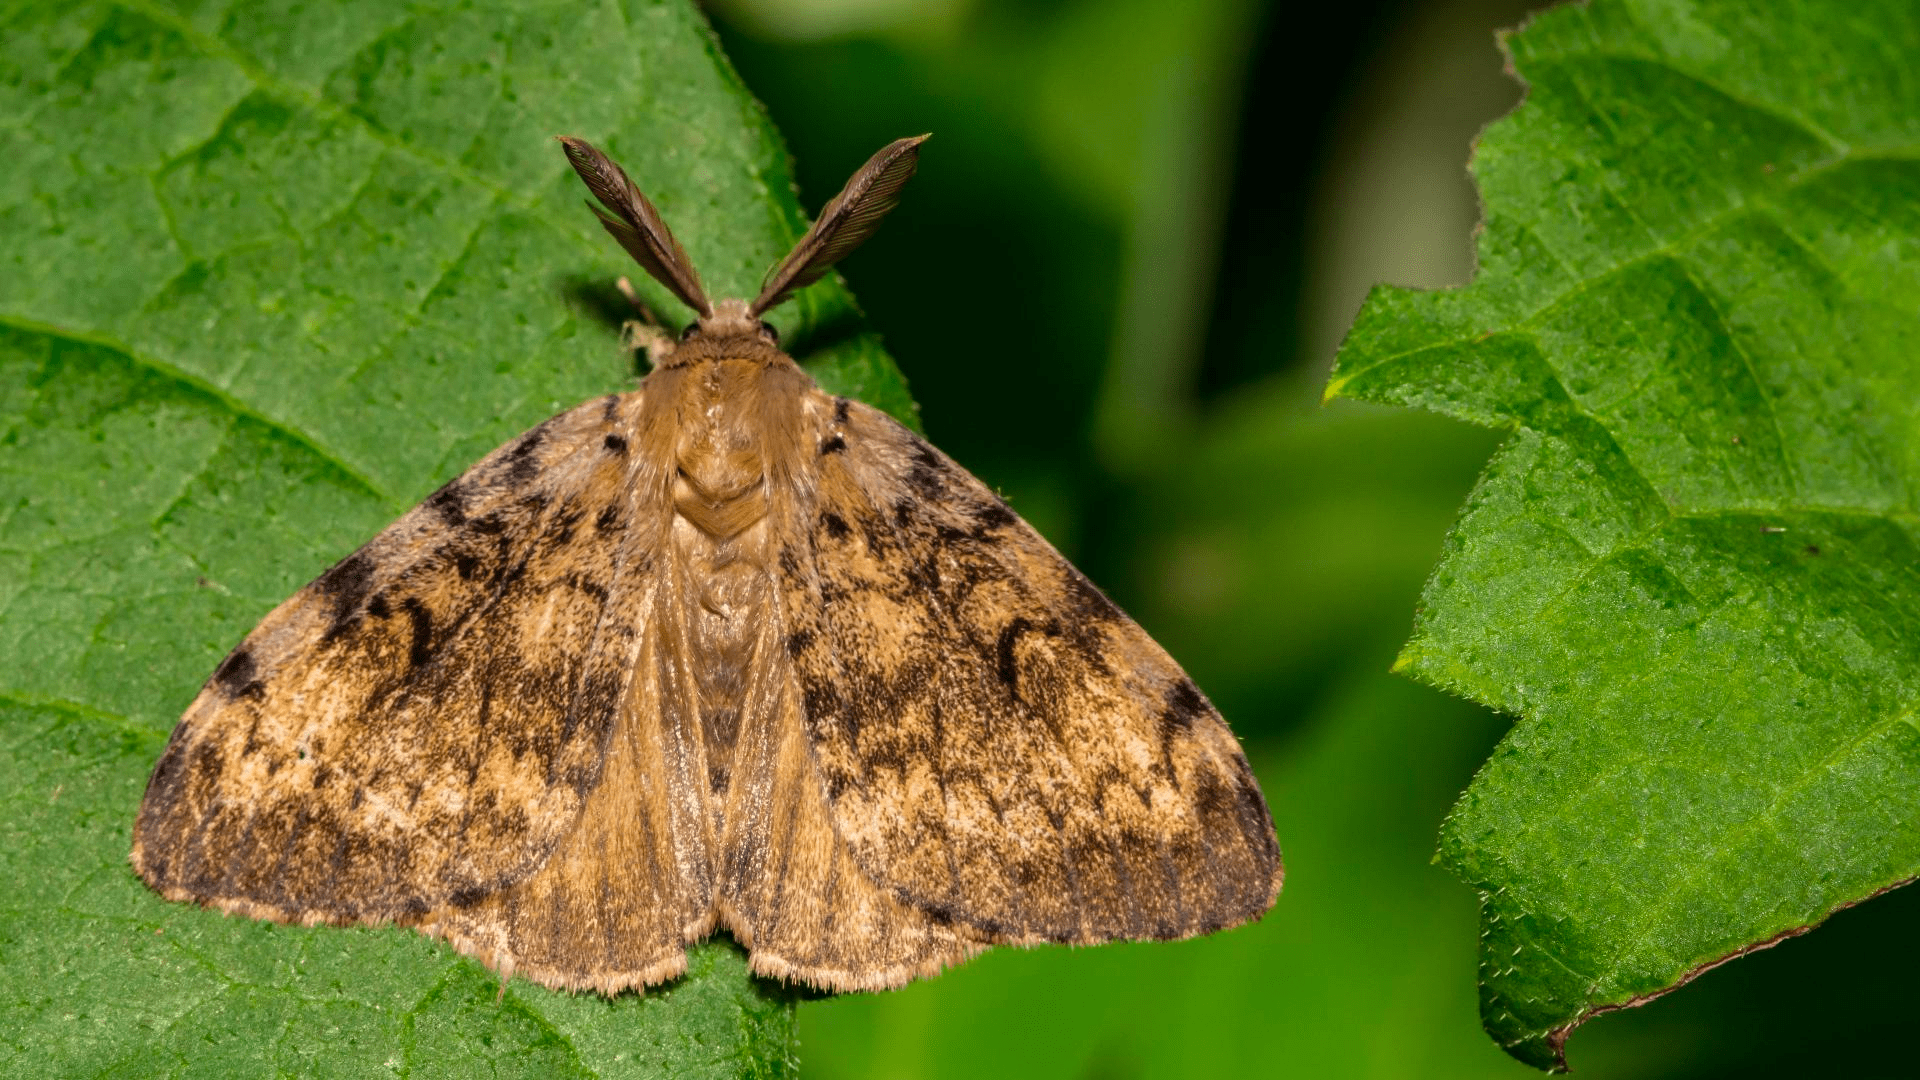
(273,273)
(1691,568)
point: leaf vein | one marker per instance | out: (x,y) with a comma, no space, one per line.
(226,400)
(1584,284)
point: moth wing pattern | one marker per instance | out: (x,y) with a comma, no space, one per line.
(789,886)
(428,722)
(1001,746)
(625,891)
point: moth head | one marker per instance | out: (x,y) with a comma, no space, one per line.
(732,318)
(847,220)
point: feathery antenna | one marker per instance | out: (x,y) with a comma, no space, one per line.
(633,221)
(844,223)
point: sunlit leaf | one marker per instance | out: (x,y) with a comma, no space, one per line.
(1690,570)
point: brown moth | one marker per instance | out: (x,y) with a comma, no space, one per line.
(722,652)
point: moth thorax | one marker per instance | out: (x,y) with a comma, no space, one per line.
(720,488)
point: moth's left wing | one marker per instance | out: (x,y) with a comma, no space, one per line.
(460,727)
(1000,744)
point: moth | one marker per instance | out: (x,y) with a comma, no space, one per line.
(722,652)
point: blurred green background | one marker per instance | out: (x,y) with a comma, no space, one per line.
(1116,286)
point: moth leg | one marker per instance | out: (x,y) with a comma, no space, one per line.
(644,331)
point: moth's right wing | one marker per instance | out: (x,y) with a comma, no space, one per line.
(790,889)
(433,720)
(1001,746)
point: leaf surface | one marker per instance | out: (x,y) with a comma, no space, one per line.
(1691,569)
(274,272)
